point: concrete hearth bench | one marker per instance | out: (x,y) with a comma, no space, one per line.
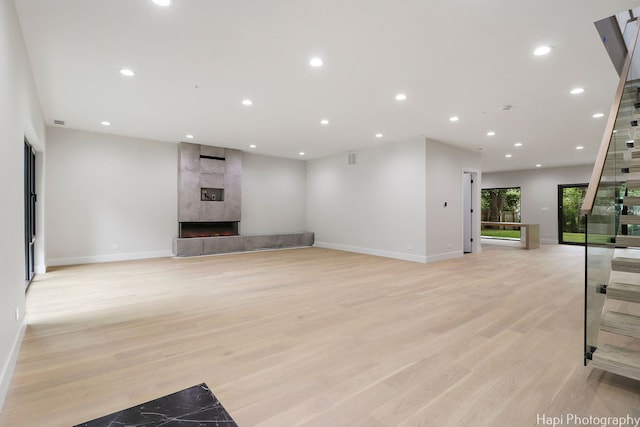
(195,246)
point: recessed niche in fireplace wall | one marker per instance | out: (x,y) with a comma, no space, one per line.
(212,194)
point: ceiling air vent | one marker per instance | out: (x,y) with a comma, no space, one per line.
(351,158)
(58,122)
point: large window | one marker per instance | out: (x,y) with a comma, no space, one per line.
(501,205)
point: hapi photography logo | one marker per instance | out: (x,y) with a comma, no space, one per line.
(589,420)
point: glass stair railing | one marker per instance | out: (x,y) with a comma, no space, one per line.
(612,217)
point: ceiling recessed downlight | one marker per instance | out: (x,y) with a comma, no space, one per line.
(542,50)
(247,102)
(577,91)
(162,2)
(316,62)
(598,115)
(301,153)
(252,146)
(189,136)
(105,123)
(491,133)
(579,147)
(379,135)
(324,122)
(538,165)
(127,72)
(518,144)
(401,97)
(507,155)
(454,118)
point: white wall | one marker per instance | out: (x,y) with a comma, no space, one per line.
(376,206)
(20,116)
(445,166)
(109,197)
(108,191)
(273,195)
(539,193)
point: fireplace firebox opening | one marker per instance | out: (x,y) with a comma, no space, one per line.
(208,229)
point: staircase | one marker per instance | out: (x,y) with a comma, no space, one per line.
(622,299)
(620,313)
(612,217)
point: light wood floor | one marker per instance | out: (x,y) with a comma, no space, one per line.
(315,337)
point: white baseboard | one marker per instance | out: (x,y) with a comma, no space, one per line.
(444,256)
(377,252)
(40,269)
(10,364)
(108,258)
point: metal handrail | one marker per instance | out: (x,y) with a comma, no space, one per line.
(596,175)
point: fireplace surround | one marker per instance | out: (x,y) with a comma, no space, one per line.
(209,208)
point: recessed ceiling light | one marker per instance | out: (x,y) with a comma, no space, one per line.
(379,135)
(189,136)
(162,2)
(401,97)
(127,72)
(316,62)
(252,146)
(491,133)
(542,50)
(105,123)
(301,153)
(324,121)
(598,115)
(507,155)
(579,147)
(538,165)
(577,91)
(247,102)
(454,118)
(518,144)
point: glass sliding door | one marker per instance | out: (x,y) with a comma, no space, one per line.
(29,212)
(571,228)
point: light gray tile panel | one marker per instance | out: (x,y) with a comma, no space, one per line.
(208,150)
(189,247)
(189,197)
(212,211)
(189,157)
(212,166)
(212,180)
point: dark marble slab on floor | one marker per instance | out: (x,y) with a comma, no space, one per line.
(194,407)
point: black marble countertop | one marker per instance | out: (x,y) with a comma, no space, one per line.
(194,407)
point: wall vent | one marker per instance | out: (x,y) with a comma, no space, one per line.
(351,158)
(58,122)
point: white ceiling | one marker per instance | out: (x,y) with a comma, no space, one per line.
(196,60)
